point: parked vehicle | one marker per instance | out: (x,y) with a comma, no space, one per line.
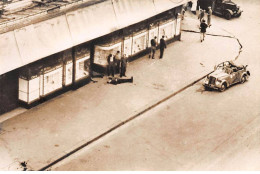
(225,75)
(225,8)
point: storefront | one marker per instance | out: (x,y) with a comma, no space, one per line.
(47,62)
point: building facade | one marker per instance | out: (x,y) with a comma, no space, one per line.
(47,55)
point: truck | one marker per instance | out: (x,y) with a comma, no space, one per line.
(225,8)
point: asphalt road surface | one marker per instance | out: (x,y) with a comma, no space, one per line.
(196,129)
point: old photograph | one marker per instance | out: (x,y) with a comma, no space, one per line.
(129,85)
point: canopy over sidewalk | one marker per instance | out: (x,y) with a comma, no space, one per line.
(36,41)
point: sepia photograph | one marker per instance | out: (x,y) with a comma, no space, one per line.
(129,85)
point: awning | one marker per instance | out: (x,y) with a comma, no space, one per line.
(129,12)
(9,53)
(31,43)
(91,22)
(164,5)
(43,39)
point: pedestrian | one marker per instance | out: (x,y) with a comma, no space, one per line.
(123,66)
(209,17)
(111,65)
(182,13)
(117,61)
(203,27)
(201,15)
(162,46)
(153,47)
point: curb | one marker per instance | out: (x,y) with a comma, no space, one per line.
(120,124)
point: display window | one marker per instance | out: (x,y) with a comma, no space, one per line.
(52,80)
(178,26)
(152,33)
(29,90)
(139,42)
(82,68)
(167,30)
(68,73)
(102,52)
(128,46)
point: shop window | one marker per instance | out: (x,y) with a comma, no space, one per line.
(102,52)
(128,46)
(167,30)
(68,73)
(82,67)
(152,33)
(178,26)
(52,80)
(139,42)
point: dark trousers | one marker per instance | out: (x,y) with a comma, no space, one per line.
(123,70)
(161,52)
(152,52)
(111,69)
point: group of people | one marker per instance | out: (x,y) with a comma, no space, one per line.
(117,63)
(154,44)
(203,24)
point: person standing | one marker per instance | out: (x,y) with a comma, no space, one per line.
(209,17)
(111,65)
(182,13)
(117,61)
(153,47)
(162,46)
(123,66)
(201,15)
(203,27)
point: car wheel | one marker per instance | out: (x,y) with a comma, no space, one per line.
(243,79)
(239,15)
(227,15)
(223,87)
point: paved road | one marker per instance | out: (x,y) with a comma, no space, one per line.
(195,130)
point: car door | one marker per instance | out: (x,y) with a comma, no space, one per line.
(218,7)
(235,76)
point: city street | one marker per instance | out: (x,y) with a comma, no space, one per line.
(196,129)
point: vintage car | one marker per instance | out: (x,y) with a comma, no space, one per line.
(225,75)
(225,8)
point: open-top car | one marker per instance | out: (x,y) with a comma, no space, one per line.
(225,75)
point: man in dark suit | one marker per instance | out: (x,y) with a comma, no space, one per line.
(123,66)
(153,47)
(111,65)
(162,46)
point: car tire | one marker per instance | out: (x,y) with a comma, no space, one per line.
(243,79)
(223,87)
(227,15)
(239,15)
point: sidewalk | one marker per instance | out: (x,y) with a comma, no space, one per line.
(54,128)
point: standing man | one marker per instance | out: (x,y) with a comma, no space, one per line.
(162,46)
(201,15)
(209,17)
(117,61)
(111,65)
(203,27)
(182,13)
(123,66)
(153,47)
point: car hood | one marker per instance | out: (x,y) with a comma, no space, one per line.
(219,74)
